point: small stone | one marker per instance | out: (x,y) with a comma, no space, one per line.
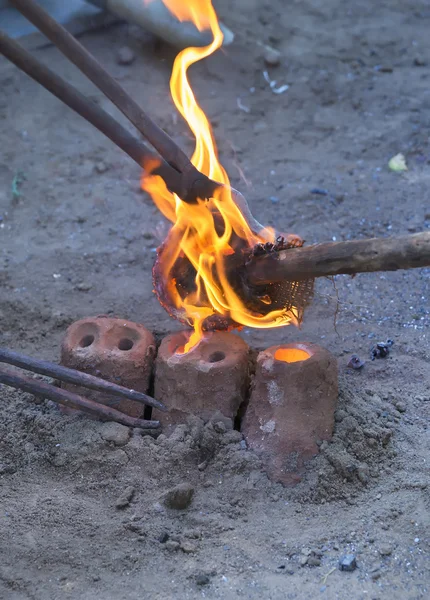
(163,537)
(101,167)
(116,433)
(220,427)
(375,574)
(401,406)
(348,563)
(314,561)
(188,547)
(179,497)
(363,474)
(385,550)
(355,362)
(202,579)
(125,56)
(303,560)
(172,546)
(126,497)
(84,286)
(419,61)
(272,57)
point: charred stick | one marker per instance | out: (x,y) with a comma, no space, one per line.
(44,367)
(87,109)
(66,398)
(335,258)
(194,183)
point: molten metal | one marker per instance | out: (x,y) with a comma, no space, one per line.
(291,355)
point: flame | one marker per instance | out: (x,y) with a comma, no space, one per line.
(194,233)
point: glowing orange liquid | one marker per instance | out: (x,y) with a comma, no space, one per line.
(291,355)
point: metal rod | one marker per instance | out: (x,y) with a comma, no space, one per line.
(335,258)
(87,109)
(86,63)
(194,184)
(44,367)
(66,398)
(107,125)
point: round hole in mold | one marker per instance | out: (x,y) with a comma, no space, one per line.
(216,356)
(86,341)
(291,355)
(125,344)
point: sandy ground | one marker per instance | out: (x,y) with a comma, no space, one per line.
(78,239)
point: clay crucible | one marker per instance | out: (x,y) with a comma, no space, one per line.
(291,408)
(114,349)
(212,377)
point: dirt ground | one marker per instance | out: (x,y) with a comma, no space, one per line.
(78,238)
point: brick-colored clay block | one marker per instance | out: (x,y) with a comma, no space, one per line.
(114,349)
(213,377)
(291,407)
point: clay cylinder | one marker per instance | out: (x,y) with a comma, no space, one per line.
(212,377)
(291,407)
(114,349)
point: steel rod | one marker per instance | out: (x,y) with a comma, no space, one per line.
(335,258)
(194,184)
(75,377)
(86,63)
(66,398)
(87,109)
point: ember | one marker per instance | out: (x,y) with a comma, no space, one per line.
(199,275)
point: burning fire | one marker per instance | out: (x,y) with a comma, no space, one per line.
(205,233)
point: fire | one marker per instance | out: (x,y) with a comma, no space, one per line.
(205,233)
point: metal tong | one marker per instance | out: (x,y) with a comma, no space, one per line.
(41,388)
(174,166)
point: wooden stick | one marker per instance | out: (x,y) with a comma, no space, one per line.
(44,367)
(66,398)
(335,258)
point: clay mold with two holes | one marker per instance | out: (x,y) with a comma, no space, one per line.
(114,349)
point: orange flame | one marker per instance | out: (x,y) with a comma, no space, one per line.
(193,233)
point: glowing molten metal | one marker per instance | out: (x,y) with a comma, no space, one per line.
(206,236)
